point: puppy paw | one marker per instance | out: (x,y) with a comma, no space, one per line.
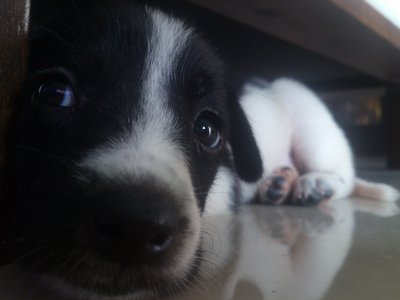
(310,189)
(276,188)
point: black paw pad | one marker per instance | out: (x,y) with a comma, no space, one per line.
(311,200)
(315,198)
(328,194)
(273,195)
(278,181)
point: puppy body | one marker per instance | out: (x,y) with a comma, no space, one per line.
(294,129)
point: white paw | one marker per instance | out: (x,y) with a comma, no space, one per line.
(312,188)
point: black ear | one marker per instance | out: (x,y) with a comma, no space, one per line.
(247,158)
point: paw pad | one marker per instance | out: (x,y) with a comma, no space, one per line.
(313,192)
(275,189)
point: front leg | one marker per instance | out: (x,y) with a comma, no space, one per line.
(285,185)
(278,187)
(312,188)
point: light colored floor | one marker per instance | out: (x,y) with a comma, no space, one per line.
(347,250)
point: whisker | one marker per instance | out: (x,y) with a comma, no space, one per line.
(214,192)
(76,265)
(68,259)
(76,8)
(28,272)
(29,254)
(58,37)
(38,151)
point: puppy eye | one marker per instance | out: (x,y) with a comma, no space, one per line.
(55,93)
(206,130)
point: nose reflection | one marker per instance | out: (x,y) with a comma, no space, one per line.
(278,252)
(286,253)
(245,288)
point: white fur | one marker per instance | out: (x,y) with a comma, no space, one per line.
(375,191)
(293,128)
(149,147)
(219,199)
(270,124)
(168,39)
(149,150)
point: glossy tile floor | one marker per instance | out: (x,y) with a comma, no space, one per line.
(349,249)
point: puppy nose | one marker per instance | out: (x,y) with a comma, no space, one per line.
(151,235)
(129,229)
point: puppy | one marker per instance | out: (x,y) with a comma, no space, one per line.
(306,157)
(124,123)
(126,134)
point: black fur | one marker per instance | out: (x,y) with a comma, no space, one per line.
(100,47)
(246,154)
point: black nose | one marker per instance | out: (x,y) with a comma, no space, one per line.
(134,227)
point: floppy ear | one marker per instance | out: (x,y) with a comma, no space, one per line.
(246,155)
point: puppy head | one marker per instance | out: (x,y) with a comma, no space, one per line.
(124,123)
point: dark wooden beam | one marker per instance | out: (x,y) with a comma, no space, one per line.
(348,31)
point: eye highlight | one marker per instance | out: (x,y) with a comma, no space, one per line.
(56,93)
(207,131)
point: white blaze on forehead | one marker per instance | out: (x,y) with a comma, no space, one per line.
(151,147)
(167,41)
(150,150)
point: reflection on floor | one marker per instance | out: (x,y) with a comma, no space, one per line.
(302,253)
(349,249)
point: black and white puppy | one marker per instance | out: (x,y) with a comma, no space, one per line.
(123,126)
(126,134)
